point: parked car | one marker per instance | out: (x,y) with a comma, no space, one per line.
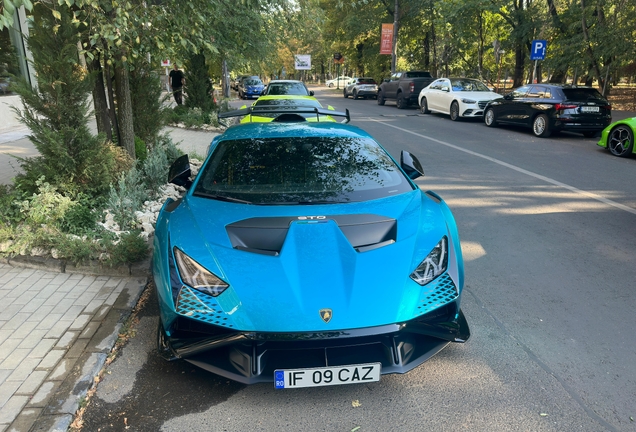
(618,137)
(269,108)
(458,97)
(404,87)
(339,82)
(298,257)
(547,108)
(361,87)
(286,87)
(250,87)
(235,84)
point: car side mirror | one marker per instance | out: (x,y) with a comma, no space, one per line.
(180,172)
(446,89)
(311,92)
(385,80)
(508,96)
(411,166)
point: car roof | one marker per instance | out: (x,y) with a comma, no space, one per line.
(285,81)
(559,85)
(296,97)
(301,129)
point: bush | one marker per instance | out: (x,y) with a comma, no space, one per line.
(126,198)
(145,94)
(46,207)
(79,219)
(155,171)
(141,151)
(130,248)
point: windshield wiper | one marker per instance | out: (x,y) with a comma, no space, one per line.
(311,202)
(221,198)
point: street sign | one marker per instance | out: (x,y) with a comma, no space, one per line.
(337,56)
(302,62)
(537,51)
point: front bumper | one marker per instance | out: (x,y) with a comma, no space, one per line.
(252,357)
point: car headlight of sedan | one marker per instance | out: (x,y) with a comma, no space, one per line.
(433,265)
(198,277)
(469,101)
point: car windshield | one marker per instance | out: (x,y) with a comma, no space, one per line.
(287,89)
(468,85)
(582,94)
(366,81)
(293,170)
(252,81)
(278,104)
(417,75)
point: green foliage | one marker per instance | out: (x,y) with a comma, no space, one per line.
(155,171)
(198,84)
(192,117)
(145,93)
(79,219)
(141,151)
(76,249)
(48,206)
(71,158)
(8,58)
(130,248)
(171,150)
(127,197)
(9,210)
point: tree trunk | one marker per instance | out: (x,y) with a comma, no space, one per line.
(111,101)
(517,77)
(124,109)
(99,99)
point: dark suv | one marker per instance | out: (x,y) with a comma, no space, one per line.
(548,108)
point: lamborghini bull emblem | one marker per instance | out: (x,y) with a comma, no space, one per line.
(326,315)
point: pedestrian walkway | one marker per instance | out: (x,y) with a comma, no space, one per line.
(56,330)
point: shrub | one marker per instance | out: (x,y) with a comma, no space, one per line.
(141,151)
(79,219)
(155,171)
(47,206)
(145,94)
(130,248)
(172,151)
(126,198)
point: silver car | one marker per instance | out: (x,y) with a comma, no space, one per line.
(363,87)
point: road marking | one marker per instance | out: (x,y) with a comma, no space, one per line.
(518,169)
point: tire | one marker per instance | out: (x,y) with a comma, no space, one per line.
(344,92)
(620,141)
(380,98)
(454,111)
(401,102)
(541,126)
(424,106)
(330,85)
(490,118)
(355,94)
(590,134)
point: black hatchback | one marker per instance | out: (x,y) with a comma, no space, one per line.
(548,108)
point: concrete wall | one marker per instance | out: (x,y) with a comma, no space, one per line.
(8,118)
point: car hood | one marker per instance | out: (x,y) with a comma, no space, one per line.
(284,264)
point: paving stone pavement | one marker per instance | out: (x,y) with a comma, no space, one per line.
(56,330)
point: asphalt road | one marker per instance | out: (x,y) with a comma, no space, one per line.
(547,229)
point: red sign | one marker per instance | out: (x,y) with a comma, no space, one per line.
(386,39)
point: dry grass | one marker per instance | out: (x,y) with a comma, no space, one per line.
(623,98)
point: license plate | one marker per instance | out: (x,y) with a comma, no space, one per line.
(590,109)
(327,376)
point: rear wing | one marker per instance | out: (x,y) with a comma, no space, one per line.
(255,110)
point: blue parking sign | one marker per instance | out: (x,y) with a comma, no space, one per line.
(537,51)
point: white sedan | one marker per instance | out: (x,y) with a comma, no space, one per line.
(458,97)
(341,81)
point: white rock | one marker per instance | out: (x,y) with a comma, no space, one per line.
(55,253)
(4,246)
(36,251)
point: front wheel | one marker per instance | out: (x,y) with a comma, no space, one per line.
(489,118)
(344,92)
(330,85)
(355,94)
(401,101)
(454,111)
(380,98)
(424,106)
(620,141)
(541,126)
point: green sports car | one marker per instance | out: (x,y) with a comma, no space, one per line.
(618,137)
(268,108)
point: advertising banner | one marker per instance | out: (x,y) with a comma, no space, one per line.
(302,61)
(386,39)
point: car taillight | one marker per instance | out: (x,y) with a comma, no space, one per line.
(412,87)
(560,107)
(608,107)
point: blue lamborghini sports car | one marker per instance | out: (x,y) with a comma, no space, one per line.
(303,254)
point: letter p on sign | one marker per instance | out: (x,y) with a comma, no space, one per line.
(537,51)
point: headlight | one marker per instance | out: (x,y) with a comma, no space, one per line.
(196,276)
(433,265)
(469,101)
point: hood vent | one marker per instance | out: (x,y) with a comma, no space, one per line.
(266,236)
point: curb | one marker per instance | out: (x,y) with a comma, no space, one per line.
(93,268)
